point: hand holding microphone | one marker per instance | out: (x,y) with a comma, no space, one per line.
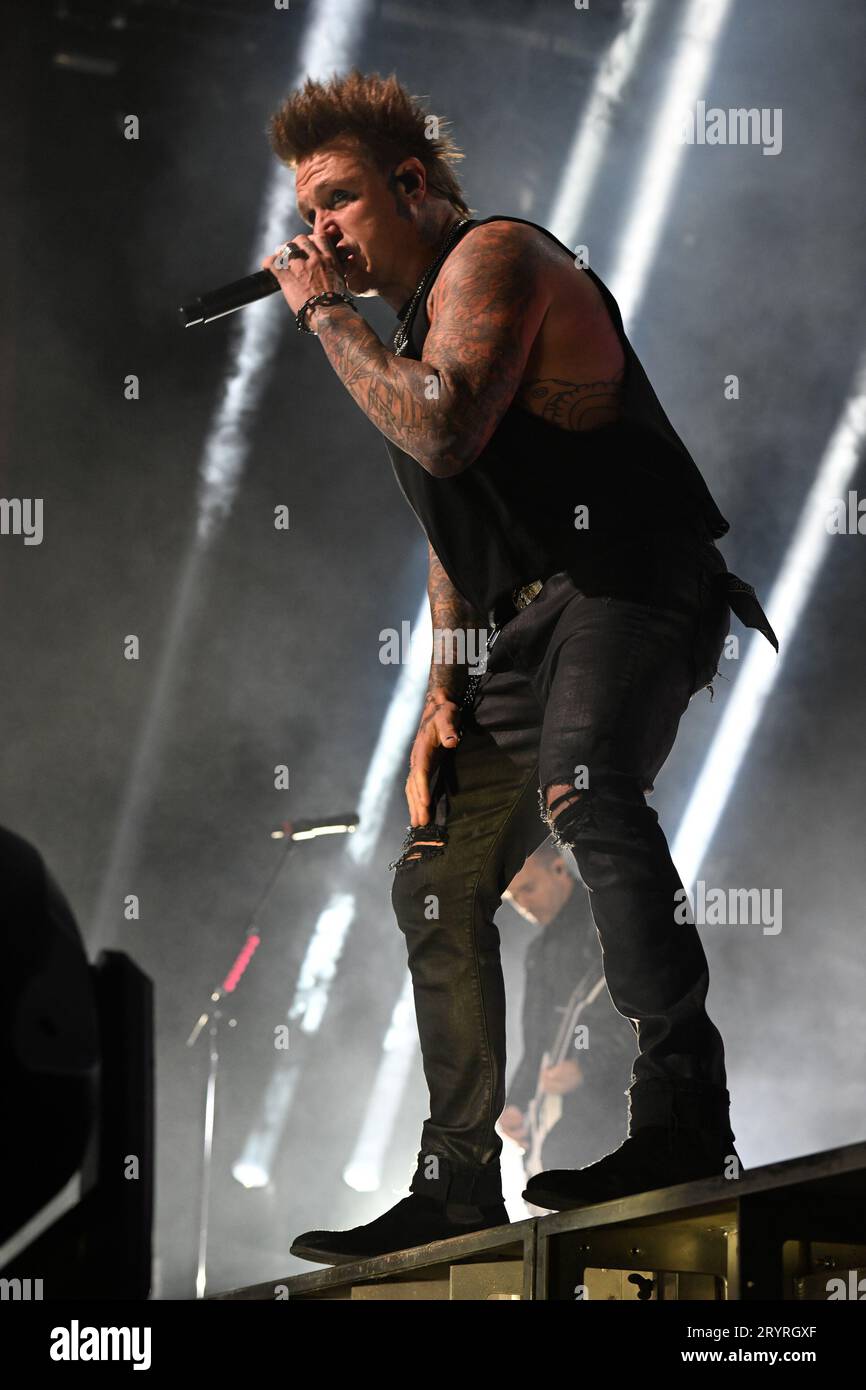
(214,304)
(305,266)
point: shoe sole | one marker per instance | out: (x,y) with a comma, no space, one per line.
(324,1257)
(553,1202)
(333,1257)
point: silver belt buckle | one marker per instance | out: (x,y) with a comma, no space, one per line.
(523,597)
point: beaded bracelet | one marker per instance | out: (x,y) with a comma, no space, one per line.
(328,297)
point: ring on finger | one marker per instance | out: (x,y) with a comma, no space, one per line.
(288,252)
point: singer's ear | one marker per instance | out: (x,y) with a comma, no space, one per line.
(408,180)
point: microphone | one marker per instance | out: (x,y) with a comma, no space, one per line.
(214,304)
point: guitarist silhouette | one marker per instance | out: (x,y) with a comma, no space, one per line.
(564,1102)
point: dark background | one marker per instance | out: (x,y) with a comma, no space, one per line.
(259,647)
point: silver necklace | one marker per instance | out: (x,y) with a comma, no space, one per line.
(400,341)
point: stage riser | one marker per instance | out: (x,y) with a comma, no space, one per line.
(781,1232)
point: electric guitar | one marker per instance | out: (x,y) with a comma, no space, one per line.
(545,1109)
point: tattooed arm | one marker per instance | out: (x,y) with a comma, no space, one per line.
(490,301)
(439,727)
(449,612)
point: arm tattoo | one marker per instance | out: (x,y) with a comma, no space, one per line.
(490,303)
(443,410)
(392,391)
(449,612)
(574,405)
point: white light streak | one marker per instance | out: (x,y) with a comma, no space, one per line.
(806,552)
(587,150)
(694,48)
(320,962)
(363,1172)
(315,977)
(332,36)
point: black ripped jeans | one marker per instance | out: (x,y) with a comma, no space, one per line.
(585,690)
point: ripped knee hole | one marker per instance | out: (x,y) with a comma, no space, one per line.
(421,842)
(565,810)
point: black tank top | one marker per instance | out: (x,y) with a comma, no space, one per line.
(509,518)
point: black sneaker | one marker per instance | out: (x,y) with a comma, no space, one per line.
(415,1221)
(652,1157)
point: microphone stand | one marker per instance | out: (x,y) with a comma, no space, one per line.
(212,1017)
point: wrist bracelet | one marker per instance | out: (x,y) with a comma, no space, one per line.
(327,297)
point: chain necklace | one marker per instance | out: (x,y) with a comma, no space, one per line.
(400,341)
